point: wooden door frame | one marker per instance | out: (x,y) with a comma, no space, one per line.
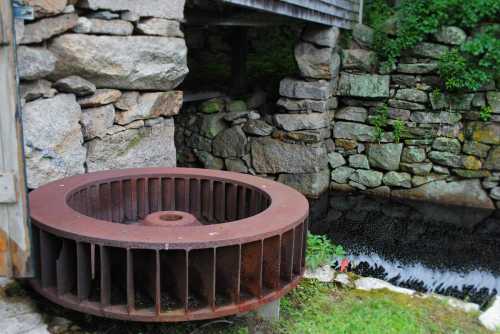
(15,236)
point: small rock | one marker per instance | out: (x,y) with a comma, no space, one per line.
(311,185)
(209,161)
(151,105)
(418,68)
(356,114)
(76,85)
(211,125)
(447,144)
(435,117)
(446,158)
(395,179)
(317,63)
(257,128)
(419,180)
(363,85)
(341,174)
(271,156)
(441,170)
(471,174)
(104,27)
(450,35)
(343,279)
(336,160)
(230,143)
(359,59)
(491,317)
(212,106)
(494,101)
(401,104)
(325,37)
(323,274)
(237,106)
(385,156)
(100,98)
(44,8)
(416,168)
(487,133)
(474,148)
(293,122)
(236,165)
(34,62)
(413,154)
(412,95)
(493,160)
(369,283)
(316,90)
(160,27)
(33,90)
(368,178)
(430,50)
(307,106)
(97,121)
(235,115)
(471,162)
(359,161)
(495,193)
(355,131)
(130,16)
(104,15)
(363,35)
(44,29)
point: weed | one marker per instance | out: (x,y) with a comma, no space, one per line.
(485,113)
(321,251)
(380,121)
(399,130)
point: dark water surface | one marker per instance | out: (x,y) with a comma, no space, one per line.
(427,247)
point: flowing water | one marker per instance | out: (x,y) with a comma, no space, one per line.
(427,247)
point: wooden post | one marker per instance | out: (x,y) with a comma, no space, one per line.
(239,44)
(15,240)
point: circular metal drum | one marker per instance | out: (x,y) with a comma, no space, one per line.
(167,244)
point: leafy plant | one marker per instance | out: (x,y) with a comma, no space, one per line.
(463,68)
(321,251)
(485,113)
(380,121)
(399,129)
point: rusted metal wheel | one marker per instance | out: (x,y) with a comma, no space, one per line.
(167,244)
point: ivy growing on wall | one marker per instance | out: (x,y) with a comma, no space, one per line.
(466,67)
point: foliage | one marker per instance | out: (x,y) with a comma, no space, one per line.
(271,57)
(485,113)
(463,68)
(399,129)
(321,251)
(380,121)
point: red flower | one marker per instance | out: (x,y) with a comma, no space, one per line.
(344,264)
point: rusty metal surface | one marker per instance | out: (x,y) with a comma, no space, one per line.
(167,244)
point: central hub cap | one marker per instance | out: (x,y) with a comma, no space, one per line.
(171,219)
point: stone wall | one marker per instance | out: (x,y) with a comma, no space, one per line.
(322,131)
(97,80)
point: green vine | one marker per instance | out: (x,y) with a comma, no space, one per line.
(466,67)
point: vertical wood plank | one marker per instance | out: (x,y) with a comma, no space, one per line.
(15,253)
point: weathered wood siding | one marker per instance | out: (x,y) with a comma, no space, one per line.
(14,229)
(339,13)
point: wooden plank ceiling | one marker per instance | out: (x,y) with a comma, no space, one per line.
(338,13)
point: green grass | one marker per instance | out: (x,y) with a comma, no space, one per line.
(320,308)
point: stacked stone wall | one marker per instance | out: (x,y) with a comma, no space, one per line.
(97,85)
(322,133)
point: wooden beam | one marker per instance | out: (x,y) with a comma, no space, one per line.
(15,246)
(291,10)
(249,19)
